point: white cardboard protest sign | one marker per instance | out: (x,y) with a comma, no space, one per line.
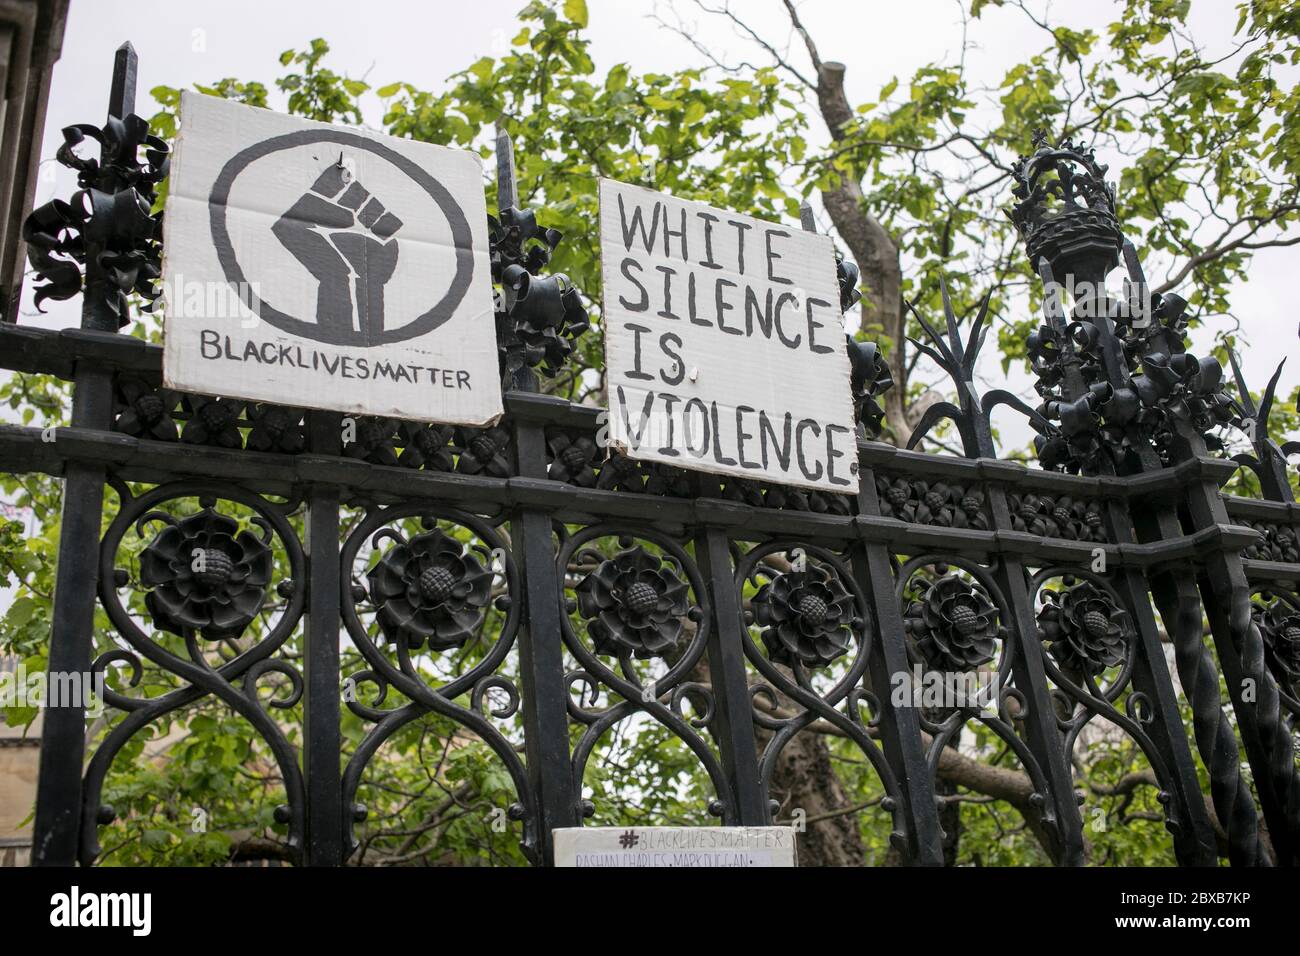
(327,267)
(724,342)
(690,847)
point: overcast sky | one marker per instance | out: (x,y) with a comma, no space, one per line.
(181,43)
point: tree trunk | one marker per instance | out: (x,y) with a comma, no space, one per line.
(874,250)
(804,779)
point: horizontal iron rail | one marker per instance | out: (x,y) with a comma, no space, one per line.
(25,448)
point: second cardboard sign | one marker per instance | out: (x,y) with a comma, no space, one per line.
(724,342)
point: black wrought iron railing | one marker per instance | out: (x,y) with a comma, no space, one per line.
(735,615)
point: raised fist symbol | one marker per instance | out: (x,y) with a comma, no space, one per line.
(344,237)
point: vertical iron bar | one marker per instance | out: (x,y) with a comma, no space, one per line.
(524,378)
(56,828)
(900,727)
(322,744)
(541,654)
(1194,844)
(807,219)
(1177,601)
(1043,732)
(507,183)
(733,726)
(541,649)
(99,296)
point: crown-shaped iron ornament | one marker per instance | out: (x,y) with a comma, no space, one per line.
(1065,211)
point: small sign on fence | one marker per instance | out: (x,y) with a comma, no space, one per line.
(724,342)
(633,847)
(322,267)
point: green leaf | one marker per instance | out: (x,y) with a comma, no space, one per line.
(20,612)
(575,11)
(617,78)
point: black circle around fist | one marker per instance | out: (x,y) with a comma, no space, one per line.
(325,329)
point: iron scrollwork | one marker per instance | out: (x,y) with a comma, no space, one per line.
(1092,647)
(646,605)
(430,593)
(963,656)
(816,635)
(204,579)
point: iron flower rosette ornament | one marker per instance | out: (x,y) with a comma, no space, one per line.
(953,624)
(427,446)
(484,451)
(374,439)
(574,459)
(1085,631)
(430,589)
(213,421)
(1279,624)
(206,575)
(634,603)
(144,411)
(276,428)
(806,617)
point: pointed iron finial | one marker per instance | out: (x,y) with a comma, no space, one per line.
(121,97)
(507,185)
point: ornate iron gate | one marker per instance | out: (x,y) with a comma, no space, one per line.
(583,567)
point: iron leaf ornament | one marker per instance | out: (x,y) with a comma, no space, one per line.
(539,318)
(869,375)
(106,238)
